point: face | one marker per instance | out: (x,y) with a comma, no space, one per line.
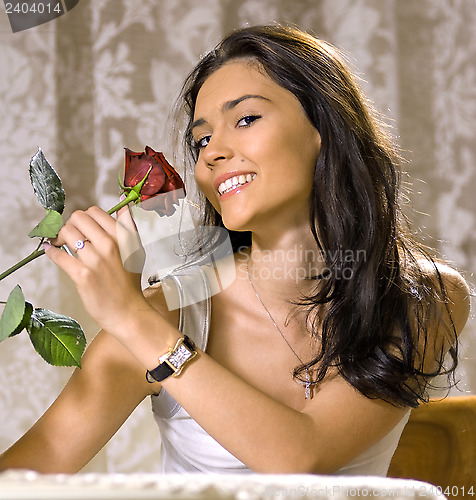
(257,149)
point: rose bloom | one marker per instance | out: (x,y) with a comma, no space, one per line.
(162,180)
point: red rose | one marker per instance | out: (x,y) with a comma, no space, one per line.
(162,179)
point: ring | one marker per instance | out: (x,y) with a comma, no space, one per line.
(79,245)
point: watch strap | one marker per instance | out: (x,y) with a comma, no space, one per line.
(165,369)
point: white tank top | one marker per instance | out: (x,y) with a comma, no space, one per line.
(186,447)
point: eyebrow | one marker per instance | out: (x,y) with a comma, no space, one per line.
(229,105)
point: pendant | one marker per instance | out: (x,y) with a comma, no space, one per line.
(307,386)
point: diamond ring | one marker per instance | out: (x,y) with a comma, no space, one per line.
(79,245)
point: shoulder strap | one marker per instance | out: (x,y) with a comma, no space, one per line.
(188,290)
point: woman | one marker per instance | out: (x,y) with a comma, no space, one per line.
(312,363)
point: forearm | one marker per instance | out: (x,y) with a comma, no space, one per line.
(91,408)
(263,433)
(35,452)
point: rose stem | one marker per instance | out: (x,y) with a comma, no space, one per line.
(39,252)
(36,253)
(132,195)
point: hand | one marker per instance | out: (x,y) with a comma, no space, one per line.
(111,294)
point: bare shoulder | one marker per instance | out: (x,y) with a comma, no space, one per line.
(456,288)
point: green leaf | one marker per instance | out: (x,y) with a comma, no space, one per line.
(13,313)
(25,321)
(58,339)
(49,226)
(46,183)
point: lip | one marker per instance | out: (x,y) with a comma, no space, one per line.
(229,194)
(228,175)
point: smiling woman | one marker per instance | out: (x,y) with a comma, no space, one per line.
(244,121)
(304,364)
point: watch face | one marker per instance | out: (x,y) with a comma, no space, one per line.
(178,358)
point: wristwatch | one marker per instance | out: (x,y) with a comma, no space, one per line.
(173,361)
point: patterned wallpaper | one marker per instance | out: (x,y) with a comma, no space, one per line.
(103,77)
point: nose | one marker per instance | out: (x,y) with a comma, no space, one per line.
(217,150)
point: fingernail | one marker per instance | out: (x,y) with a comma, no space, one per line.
(46,245)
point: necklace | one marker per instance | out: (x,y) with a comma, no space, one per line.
(307,384)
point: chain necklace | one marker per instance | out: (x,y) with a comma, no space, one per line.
(307,384)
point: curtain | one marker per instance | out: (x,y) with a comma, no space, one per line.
(103,77)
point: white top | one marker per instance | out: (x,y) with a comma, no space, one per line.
(186,447)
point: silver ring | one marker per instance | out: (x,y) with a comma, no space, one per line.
(79,245)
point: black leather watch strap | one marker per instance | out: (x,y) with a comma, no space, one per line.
(165,369)
(160,373)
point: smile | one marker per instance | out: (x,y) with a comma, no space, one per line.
(234,182)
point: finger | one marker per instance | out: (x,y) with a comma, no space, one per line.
(102,219)
(94,225)
(64,261)
(69,238)
(129,242)
(124,217)
(114,228)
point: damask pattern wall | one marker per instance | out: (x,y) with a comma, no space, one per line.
(103,77)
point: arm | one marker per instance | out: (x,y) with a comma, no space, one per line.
(270,437)
(329,431)
(265,434)
(94,404)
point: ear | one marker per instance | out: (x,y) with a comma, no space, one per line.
(317,138)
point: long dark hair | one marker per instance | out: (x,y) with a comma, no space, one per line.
(373,311)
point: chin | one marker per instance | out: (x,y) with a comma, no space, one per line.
(236,222)
(236,227)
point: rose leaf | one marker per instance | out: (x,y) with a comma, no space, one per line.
(25,321)
(46,183)
(58,339)
(13,313)
(49,226)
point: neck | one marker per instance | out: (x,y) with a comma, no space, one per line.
(284,264)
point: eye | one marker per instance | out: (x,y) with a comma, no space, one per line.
(201,143)
(247,120)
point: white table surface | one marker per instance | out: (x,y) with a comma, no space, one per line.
(23,485)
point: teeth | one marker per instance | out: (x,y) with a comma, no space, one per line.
(233,182)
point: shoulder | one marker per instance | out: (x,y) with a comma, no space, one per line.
(451,288)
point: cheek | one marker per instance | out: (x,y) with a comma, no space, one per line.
(202,177)
(199,177)
(204,183)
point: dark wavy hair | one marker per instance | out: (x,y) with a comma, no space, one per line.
(373,327)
